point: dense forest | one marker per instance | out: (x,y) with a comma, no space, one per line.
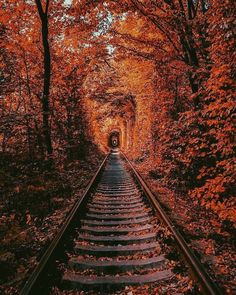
(160,73)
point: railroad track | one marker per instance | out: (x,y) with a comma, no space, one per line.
(113,239)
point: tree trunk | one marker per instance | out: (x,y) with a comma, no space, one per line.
(47,74)
(70,143)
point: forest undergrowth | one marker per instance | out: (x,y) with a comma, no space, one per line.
(212,240)
(34,203)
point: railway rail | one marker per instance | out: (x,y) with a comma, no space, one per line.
(111,239)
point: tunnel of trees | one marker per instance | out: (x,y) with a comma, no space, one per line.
(160,75)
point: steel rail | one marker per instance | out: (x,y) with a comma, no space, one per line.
(208,286)
(32,285)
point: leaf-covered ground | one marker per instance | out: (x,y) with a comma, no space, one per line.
(212,240)
(34,202)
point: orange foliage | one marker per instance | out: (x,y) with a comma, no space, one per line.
(159,72)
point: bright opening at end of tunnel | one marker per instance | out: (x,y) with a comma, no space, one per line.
(114,139)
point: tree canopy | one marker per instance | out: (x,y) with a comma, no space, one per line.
(162,72)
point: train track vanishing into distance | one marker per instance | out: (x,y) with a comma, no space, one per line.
(111,239)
